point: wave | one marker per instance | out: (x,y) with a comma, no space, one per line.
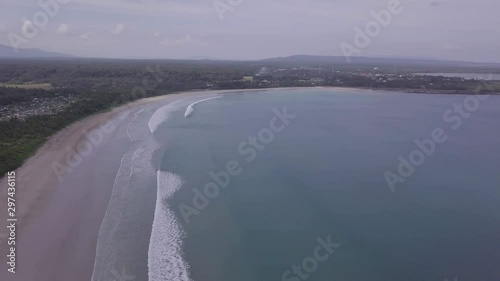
(134,172)
(165,261)
(162,114)
(105,251)
(190,108)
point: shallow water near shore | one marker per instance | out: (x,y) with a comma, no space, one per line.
(322,176)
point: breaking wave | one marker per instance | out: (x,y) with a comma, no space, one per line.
(162,114)
(190,108)
(165,260)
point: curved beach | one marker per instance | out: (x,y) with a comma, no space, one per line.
(60,209)
(101,200)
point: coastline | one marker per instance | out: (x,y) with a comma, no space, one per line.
(58,221)
(38,193)
(35,168)
(49,210)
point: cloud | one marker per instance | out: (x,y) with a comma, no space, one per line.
(27,27)
(175,42)
(86,36)
(2,28)
(118,29)
(427,28)
(63,29)
(187,39)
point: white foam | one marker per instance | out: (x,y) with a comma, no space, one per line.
(161,115)
(190,108)
(189,111)
(165,260)
(104,247)
(135,167)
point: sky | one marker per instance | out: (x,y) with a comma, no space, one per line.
(463,30)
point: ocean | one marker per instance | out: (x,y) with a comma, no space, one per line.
(308,184)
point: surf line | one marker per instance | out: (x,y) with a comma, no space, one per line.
(190,108)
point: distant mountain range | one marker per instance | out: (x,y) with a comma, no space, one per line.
(9,52)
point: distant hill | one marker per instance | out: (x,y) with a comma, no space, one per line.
(9,52)
(340,60)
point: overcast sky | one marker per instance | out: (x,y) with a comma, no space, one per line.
(440,29)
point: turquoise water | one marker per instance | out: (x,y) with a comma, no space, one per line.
(321,177)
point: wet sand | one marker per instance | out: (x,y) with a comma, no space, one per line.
(59,221)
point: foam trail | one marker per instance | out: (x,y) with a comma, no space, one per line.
(162,114)
(190,108)
(104,247)
(165,261)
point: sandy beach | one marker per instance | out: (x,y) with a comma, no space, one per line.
(60,208)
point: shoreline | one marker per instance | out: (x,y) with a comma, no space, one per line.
(69,135)
(50,210)
(58,221)
(37,191)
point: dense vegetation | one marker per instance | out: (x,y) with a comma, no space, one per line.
(101,84)
(19,139)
